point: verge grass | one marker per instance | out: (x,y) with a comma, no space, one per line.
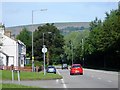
(6,86)
(15,86)
(7,75)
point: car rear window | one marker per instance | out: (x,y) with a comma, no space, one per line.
(51,67)
(76,66)
(64,64)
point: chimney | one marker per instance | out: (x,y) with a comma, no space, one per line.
(2,29)
(8,33)
(13,36)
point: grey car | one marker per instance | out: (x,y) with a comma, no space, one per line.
(51,69)
(64,66)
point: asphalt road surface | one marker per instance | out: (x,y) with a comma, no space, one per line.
(90,79)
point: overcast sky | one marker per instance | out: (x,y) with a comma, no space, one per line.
(20,13)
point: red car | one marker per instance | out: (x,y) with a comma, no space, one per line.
(76,69)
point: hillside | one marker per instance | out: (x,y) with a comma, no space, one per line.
(63,27)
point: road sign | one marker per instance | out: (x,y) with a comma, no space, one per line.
(44,50)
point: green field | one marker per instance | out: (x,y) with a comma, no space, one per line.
(7,75)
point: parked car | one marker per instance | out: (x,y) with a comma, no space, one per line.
(51,69)
(76,69)
(64,66)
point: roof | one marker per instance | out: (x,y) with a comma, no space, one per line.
(3,53)
(20,42)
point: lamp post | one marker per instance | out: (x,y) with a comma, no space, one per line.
(32,37)
(71,47)
(119,10)
(72,51)
(44,50)
(83,50)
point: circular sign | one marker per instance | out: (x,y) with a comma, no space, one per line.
(32,58)
(44,50)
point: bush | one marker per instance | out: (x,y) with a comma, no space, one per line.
(28,65)
(37,63)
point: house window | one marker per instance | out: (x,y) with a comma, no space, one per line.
(21,61)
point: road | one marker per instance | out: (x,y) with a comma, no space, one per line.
(90,79)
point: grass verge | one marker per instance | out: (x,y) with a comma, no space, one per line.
(7,75)
(15,86)
(19,87)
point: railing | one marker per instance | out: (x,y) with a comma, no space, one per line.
(29,69)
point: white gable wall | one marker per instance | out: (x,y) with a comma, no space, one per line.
(10,48)
(12,52)
(11,61)
(22,53)
(3,57)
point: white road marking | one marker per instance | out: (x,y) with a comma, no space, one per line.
(99,78)
(58,72)
(57,80)
(63,83)
(62,80)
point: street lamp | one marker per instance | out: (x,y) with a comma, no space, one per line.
(32,38)
(72,51)
(83,50)
(44,50)
(71,45)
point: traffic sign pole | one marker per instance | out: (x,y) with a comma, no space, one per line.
(44,50)
(44,65)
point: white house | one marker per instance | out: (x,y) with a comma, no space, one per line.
(22,53)
(12,52)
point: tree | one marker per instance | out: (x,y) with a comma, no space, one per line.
(103,41)
(53,41)
(95,23)
(25,37)
(73,46)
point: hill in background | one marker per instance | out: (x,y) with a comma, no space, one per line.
(64,28)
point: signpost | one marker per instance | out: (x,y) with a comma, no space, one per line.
(44,50)
(18,73)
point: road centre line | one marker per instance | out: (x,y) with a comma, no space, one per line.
(101,78)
